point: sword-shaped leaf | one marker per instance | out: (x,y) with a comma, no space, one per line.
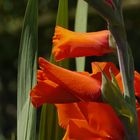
(27,66)
(81,26)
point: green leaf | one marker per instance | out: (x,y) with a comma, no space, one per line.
(49,128)
(27,67)
(62,20)
(114,81)
(112,95)
(81,26)
(62,14)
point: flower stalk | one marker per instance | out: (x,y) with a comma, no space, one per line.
(127,71)
(112,12)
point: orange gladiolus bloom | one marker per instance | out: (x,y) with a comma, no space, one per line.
(82,120)
(58,85)
(95,121)
(90,121)
(68,44)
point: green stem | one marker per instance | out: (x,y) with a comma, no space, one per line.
(127,71)
(126,63)
(116,25)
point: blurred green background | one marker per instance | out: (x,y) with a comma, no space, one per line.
(11,19)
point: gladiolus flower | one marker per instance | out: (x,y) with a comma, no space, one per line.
(68,44)
(80,119)
(93,126)
(58,85)
(49,92)
(88,121)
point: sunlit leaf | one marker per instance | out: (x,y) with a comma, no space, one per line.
(27,66)
(81,26)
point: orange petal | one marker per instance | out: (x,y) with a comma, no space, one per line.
(80,130)
(106,67)
(103,119)
(119,81)
(66,112)
(50,92)
(41,76)
(136,83)
(85,73)
(68,44)
(81,86)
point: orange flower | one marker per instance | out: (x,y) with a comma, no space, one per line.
(90,121)
(96,121)
(82,120)
(68,44)
(58,85)
(104,66)
(136,83)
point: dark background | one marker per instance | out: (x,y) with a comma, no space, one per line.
(11,18)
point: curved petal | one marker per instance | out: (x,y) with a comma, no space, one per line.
(68,44)
(66,112)
(80,130)
(136,83)
(41,76)
(81,86)
(103,119)
(49,92)
(104,66)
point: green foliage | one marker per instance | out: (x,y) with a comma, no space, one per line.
(62,20)
(27,66)
(113,16)
(62,14)
(49,128)
(81,26)
(112,95)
